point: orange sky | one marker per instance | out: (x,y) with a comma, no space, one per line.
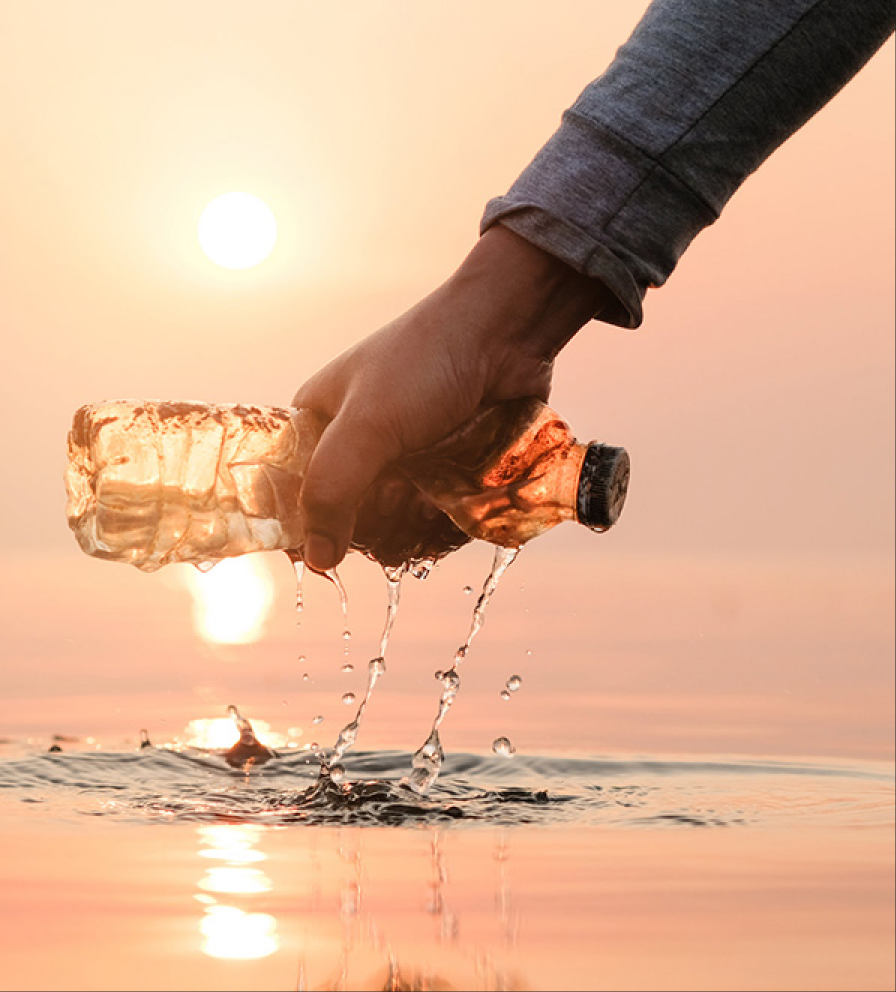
(756,401)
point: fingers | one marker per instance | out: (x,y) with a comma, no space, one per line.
(351,453)
(397,524)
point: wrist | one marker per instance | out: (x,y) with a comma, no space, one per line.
(526,297)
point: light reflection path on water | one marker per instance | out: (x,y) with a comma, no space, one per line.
(232,931)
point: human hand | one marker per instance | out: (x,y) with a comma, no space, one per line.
(489,333)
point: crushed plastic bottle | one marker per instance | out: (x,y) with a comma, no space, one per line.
(153,482)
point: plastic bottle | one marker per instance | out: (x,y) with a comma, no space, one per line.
(150,483)
(515,470)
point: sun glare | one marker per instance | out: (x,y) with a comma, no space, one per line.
(221,732)
(237,230)
(232,601)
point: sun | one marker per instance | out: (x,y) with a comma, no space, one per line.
(232,602)
(237,230)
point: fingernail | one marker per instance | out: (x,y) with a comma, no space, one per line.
(320,552)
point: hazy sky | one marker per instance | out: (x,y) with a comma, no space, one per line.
(756,401)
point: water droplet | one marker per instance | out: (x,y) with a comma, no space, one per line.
(313,746)
(377,666)
(438,674)
(468,590)
(305,676)
(283,702)
(299,568)
(514,682)
(348,698)
(502,746)
(205,566)
(505,695)
(421,569)
(348,667)
(337,773)
(318,719)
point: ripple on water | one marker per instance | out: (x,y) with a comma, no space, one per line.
(371,789)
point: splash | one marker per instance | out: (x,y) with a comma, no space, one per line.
(248,750)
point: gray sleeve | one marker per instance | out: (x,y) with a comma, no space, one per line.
(699,96)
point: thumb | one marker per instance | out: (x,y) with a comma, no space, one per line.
(349,456)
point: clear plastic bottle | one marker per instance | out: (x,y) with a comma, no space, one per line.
(515,470)
(150,483)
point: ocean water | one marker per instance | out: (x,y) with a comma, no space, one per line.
(617,804)
(198,785)
(160,867)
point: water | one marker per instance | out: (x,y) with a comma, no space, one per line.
(545,872)
(376,668)
(429,757)
(333,576)
(503,746)
(298,564)
(163,783)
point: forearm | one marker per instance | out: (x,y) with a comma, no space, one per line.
(701,94)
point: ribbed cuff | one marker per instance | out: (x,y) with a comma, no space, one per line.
(572,245)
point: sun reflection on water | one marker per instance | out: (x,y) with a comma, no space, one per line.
(222,733)
(230,931)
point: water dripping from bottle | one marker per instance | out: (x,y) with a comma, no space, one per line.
(421,569)
(376,668)
(299,568)
(333,576)
(393,594)
(427,760)
(504,558)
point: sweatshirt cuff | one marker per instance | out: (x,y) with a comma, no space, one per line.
(570,244)
(605,207)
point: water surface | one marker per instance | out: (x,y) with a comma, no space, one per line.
(198,785)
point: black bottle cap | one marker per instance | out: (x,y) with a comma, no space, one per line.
(602,485)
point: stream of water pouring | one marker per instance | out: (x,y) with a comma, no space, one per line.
(333,576)
(375,668)
(427,760)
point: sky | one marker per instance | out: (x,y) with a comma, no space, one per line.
(743,602)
